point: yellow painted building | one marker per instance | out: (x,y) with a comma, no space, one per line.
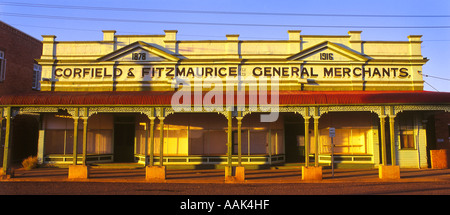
(232,102)
(303,62)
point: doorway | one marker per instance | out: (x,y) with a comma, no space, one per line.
(124,135)
(294,131)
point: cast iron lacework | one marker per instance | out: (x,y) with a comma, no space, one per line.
(165,111)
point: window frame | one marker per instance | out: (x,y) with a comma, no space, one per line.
(2,66)
(37,74)
(406,127)
(410,137)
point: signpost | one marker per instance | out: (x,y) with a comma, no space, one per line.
(332,134)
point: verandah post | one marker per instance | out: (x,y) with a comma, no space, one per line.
(307,140)
(392,140)
(85,124)
(79,171)
(385,171)
(229,143)
(6,154)
(75,136)
(316,139)
(383,139)
(152,140)
(161,140)
(312,173)
(239,123)
(392,135)
(152,172)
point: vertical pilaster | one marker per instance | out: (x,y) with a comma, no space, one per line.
(415,51)
(232,45)
(108,41)
(415,46)
(294,44)
(170,40)
(355,40)
(48,46)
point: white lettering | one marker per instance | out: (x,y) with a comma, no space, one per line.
(192,205)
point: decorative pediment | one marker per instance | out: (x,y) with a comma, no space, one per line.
(139,51)
(327,51)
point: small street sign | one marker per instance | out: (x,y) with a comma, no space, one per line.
(332,132)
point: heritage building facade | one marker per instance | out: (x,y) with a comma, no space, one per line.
(156,100)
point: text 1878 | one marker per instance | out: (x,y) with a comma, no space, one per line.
(138,56)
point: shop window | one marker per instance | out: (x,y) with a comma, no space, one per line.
(407,139)
(36,77)
(59,135)
(175,140)
(2,66)
(347,141)
(406,131)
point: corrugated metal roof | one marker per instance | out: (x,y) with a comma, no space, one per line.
(285,98)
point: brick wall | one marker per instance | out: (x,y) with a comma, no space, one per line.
(442,122)
(20,52)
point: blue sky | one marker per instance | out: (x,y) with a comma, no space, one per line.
(36,18)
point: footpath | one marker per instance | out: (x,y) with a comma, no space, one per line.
(284,175)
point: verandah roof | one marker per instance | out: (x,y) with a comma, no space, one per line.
(164,98)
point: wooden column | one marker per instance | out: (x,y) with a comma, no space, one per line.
(383,139)
(75,137)
(152,140)
(152,172)
(269,143)
(312,172)
(316,139)
(79,171)
(85,124)
(392,140)
(161,140)
(239,124)
(229,143)
(146,129)
(307,140)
